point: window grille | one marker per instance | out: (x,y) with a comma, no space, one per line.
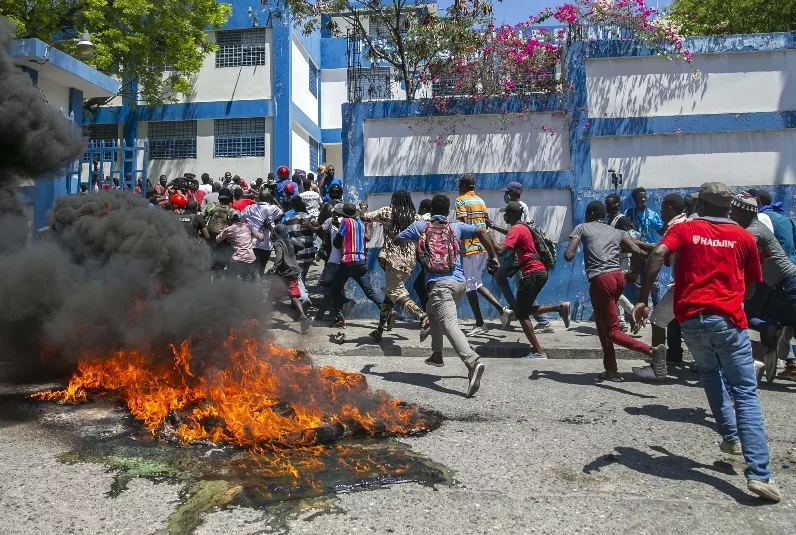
(238,48)
(313,80)
(323,155)
(102,135)
(314,151)
(172,140)
(381,29)
(239,138)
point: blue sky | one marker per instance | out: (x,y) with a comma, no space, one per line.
(514,11)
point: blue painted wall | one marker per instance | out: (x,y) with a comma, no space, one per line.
(567,281)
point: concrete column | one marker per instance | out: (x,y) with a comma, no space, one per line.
(282,149)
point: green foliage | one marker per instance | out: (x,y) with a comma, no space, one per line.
(413,32)
(717,17)
(134,39)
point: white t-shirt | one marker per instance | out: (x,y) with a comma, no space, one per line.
(312,200)
(207,188)
(763,218)
(336,255)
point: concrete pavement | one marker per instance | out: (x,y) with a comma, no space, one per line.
(542,448)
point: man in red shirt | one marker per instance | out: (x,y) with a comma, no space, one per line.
(534,276)
(717,269)
(240,203)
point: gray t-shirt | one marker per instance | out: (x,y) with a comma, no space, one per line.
(601,247)
(775,263)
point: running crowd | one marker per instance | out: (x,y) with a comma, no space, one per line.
(732,258)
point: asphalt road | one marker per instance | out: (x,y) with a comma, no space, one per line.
(542,448)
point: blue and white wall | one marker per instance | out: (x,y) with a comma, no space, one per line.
(630,110)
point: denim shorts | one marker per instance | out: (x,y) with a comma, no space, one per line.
(528,289)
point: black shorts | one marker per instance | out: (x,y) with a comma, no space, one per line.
(528,289)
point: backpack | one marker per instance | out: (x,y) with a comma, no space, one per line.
(545,248)
(218,219)
(438,248)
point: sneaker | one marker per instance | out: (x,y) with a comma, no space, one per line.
(789,373)
(425,329)
(536,356)
(505,318)
(339,323)
(646,373)
(376,335)
(565,311)
(391,320)
(765,489)
(475,379)
(478,331)
(623,327)
(659,361)
(771,365)
(731,447)
(348,306)
(306,323)
(760,370)
(784,336)
(436,362)
(545,328)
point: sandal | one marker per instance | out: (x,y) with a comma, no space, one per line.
(614,377)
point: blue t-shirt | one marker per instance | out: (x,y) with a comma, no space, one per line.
(463,231)
(280,188)
(328,184)
(290,213)
(647,223)
(783,231)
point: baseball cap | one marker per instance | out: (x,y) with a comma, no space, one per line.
(745,201)
(467,180)
(513,186)
(715,193)
(338,209)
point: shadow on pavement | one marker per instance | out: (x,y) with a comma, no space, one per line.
(584,330)
(583,379)
(417,379)
(698,416)
(674,467)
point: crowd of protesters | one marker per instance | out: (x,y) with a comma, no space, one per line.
(732,259)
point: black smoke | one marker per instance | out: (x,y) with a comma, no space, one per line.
(112,273)
(34,138)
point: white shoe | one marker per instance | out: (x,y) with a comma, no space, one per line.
(505,318)
(760,369)
(478,331)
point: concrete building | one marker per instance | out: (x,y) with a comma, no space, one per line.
(64,83)
(268,96)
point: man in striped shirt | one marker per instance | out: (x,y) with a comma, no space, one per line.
(302,234)
(351,241)
(471,209)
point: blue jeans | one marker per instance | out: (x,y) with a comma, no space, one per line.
(502,279)
(724,352)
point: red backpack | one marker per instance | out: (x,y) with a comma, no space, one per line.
(438,248)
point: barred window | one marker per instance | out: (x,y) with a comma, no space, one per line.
(313,80)
(315,149)
(239,138)
(383,28)
(238,48)
(101,135)
(323,155)
(172,140)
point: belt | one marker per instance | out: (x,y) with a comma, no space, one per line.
(703,315)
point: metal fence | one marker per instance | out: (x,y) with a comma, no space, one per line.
(113,165)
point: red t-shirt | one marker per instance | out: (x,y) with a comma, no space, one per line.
(714,263)
(520,239)
(240,204)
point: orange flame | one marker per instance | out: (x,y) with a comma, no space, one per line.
(258,396)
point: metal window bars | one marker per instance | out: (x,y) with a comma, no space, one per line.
(240,48)
(239,138)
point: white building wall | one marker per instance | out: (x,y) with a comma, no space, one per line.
(57,94)
(300,157)
(334,156)
(687,160)
(300,82)
(334,93)
(248,168)
(474,144)
(739,82)
(232,83)
(551,209)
